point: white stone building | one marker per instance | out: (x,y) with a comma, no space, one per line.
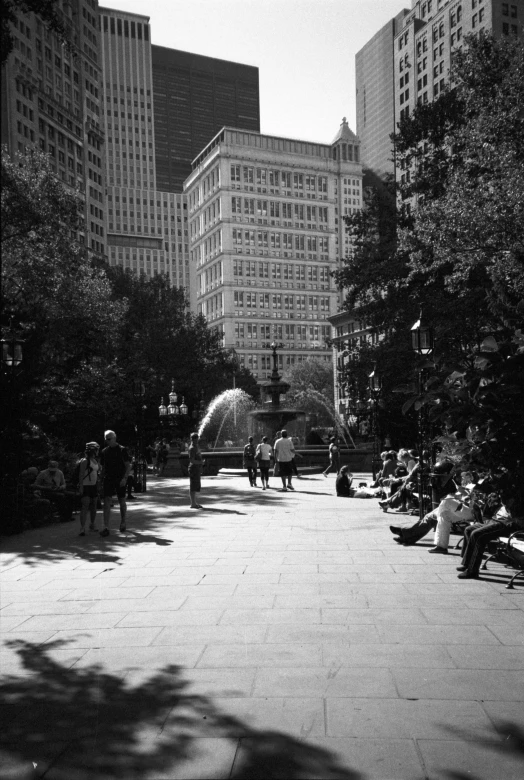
(265,233)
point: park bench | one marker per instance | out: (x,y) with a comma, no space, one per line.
(509,550)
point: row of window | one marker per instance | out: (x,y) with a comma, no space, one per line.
(278,271)
(128,29)
(285,332)
(253,300)
(287,242)
(275,178)
(274,209)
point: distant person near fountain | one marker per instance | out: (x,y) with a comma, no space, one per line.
(263,455)
(196,463)
(334,456)
(250,462)
(284,454)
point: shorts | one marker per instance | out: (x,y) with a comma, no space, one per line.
(112,486)
(195,483)
(286,468)
(90,490)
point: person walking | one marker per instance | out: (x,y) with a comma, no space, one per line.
(88,486)
(263,455)
(334,456)
(284,454)
(196,463)
(116,465)
(250,462)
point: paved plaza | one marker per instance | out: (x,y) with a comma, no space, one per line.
(270,635)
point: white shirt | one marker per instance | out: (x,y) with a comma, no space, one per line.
(284,450)
(266,451)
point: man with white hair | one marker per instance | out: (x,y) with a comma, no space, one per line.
(116,466)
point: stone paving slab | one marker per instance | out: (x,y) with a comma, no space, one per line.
(268,635)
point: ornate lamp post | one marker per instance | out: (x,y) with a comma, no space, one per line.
(140,465)
(423,342)
(168,414)
(375,387)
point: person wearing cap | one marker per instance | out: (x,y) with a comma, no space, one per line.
(116,466)
(50,483)
(88,485)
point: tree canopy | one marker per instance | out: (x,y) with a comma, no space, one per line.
(454,246)
(90,330)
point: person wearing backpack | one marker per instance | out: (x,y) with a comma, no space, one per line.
(116,466)
(87,481)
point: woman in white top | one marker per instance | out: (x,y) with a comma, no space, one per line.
(263,455)
(88,485)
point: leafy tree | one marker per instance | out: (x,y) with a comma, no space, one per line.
(56,298)
(48,11)
(311,389)
(459,254)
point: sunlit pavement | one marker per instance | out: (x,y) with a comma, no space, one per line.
(268,635)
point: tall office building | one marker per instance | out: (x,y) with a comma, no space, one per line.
(194,97)
(51,100)
(265,233)
(375,94)
(408,61)
(150,115)
(431,32)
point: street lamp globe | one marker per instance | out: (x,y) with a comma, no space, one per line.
(12,350)
(375,383)
(422,339)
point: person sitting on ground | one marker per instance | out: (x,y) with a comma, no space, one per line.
(343,483)
(88,485)
(50,484)
(284,454)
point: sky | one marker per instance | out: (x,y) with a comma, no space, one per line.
(304,49)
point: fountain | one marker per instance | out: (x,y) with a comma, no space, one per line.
(230,407)
(230,418)
(267,421)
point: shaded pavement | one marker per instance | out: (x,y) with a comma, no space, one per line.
(269,635)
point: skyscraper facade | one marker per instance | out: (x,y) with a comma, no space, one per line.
(266,231)
(51,100)
(431,32)
(194,97)
(145,226)
(158,106)
(375,97)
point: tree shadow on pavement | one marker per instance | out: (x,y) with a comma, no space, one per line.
(507,742)
(83,722)
(158,514)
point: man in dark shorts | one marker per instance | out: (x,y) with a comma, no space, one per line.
(195,471)
(116,466)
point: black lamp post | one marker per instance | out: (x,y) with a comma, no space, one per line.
(375,387)
(140,464)
(168,414)
(423,342)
